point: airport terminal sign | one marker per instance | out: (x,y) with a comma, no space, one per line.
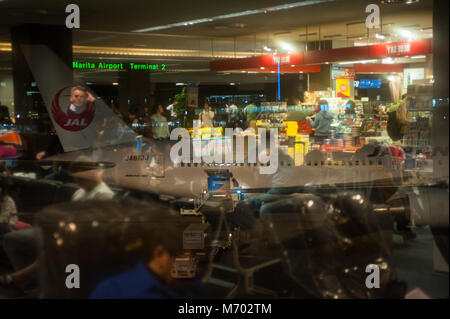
(86,65)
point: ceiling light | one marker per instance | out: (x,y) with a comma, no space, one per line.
(262,68)
(115,83)
(419,57)
(379,36)
(267,49)
(232,83)
(387,61)
(235,15)
(391,78)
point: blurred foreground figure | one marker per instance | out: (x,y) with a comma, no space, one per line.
(327,246)
(122,250)
(20,246)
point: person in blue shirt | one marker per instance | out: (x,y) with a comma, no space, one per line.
(159,241)
(322,122)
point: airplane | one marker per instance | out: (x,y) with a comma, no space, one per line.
(133,162)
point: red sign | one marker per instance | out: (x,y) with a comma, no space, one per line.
(418,47)
(377,51)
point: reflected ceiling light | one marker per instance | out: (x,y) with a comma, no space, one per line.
(419,57)
(362,61)
(262,68)
(405,33)
(388,61)
(115,83)
(235,15)
(391,78)
(266,48)
(286,46)
(379,36)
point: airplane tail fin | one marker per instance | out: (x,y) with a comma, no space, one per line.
(94,125)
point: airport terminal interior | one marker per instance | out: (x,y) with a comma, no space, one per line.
(268,149)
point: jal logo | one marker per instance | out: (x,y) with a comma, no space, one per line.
(73,108)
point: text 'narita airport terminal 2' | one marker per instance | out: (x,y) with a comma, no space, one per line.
(117,66)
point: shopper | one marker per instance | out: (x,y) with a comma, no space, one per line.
(397,119)
(159,125)
(322,122)
(206,116)
(251,113)
(350,108)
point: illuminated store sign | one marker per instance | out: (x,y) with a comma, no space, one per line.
(117,66)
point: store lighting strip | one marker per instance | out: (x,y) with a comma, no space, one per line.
(78,49)
(158,52)
(235,15)
(5,46)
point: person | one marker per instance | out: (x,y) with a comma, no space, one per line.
(8,210)
(350,108)
(132,119)
(401,114)
(159,124)
(232,111)
(206,116)
(80,112)
(251,113)
(158,240)
(173,114)
(20,246)
(397,119)
(322,122)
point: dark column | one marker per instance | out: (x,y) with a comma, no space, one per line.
(440,70)
(134,90)
(292,87)
(440,135)
(57,38)
(320,81)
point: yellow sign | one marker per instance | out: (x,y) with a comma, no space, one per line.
(343,87)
